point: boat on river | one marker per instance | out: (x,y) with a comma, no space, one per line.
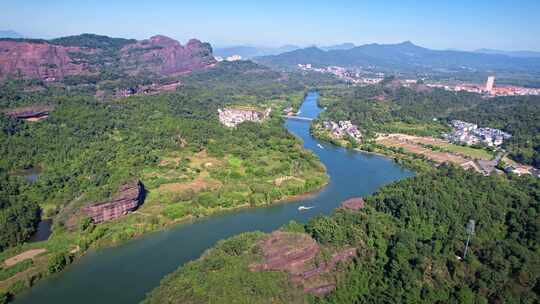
(320,146)
(304,208)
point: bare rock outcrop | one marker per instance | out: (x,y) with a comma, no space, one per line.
(355,203)
(30,113)
(39,60)
(128,199)
(340,256)
(286,251)
(166,56)
(296,253)
(51,61)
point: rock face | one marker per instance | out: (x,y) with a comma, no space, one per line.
(31,113)
(127,199)
(51,62)
(39,60)
(296,254)
(165,56)
(286,251)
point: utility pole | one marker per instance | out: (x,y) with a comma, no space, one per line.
(470,232)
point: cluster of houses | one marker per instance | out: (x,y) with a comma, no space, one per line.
(342,128)
(470,134)
(351,75)
(522,170)
(489,89)
(229,58)
(232,117)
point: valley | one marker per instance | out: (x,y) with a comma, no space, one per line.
(147,170)
(177,244)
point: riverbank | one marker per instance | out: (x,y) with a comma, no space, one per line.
(117,268)
(279,266)
(410,161)
(155,214)
(39,268)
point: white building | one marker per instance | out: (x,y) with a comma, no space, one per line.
(232,117)
(234,58)
(490,83)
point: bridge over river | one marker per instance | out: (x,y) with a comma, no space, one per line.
(297,117)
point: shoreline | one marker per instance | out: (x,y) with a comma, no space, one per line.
(168,224)
(221,211)
(42,275)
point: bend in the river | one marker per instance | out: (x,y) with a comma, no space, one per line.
(124,274)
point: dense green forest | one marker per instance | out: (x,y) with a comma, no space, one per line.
(414,257)
(410,239)
(87,148)
(93,41)
(242,80)
(190,165)
(426,112)
(18,215)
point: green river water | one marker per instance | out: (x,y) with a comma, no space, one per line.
(125,274)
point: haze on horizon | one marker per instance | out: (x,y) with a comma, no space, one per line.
(504,24)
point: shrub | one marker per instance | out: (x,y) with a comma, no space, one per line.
(59,261)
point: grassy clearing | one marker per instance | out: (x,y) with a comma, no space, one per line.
(467,151)
(435,145)
(420,129)
(439,157)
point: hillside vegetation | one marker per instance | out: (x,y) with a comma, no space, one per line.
(190,165)
(410,240)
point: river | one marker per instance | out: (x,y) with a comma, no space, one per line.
(124,274)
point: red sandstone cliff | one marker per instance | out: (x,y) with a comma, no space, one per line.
(39,60)
(355,203)
(47,61)
(165,56)
(127,199)
(296,253)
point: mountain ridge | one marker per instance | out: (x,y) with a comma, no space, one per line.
(522,53)
(91,54)
(404,55)
(248,51)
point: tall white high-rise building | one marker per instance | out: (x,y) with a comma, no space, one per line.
(490,83)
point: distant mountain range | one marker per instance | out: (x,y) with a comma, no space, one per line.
(249,52)
(342,46)
(10,34)
(522,54)
(402,56)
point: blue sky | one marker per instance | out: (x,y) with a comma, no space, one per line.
(441,24)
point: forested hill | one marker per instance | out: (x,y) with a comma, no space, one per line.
(403,56)
(410,239)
